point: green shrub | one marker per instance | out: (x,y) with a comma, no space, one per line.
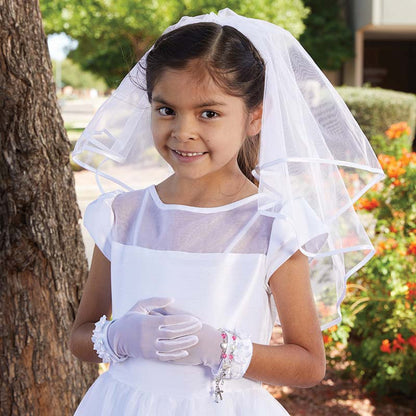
(376,109)
(381,302)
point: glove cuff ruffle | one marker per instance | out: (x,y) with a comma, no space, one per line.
(100,342)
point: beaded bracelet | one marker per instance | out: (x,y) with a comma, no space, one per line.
(100,342)
(236,355)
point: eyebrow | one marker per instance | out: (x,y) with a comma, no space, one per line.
(200,105)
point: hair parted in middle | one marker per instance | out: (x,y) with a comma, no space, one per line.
(230,59)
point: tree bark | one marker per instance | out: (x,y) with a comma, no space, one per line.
(42,258)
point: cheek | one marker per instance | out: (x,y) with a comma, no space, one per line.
(154,126)
(158,132)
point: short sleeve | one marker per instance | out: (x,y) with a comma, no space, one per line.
(99,221)
(301,229)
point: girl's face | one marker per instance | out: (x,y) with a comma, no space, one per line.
(197,128)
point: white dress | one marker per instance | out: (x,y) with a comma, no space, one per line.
(215,263)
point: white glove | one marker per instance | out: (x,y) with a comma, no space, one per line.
(207,351)
(141,333)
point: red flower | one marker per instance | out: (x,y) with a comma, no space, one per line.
(397,345)
(412,341)
(385,346)
(393,229)
(411,291)
(327,339)
(400,338)
(412,248)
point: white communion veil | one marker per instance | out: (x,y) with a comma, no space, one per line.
(314,161)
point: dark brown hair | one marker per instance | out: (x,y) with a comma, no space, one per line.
(230,59)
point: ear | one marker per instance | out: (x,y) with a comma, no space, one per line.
(254,125)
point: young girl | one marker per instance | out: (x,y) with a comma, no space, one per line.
(197,269)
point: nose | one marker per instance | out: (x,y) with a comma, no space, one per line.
(184,129)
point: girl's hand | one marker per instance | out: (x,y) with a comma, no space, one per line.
(141,333)
(206,351)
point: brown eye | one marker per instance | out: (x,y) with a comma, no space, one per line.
(209,114)
(165,111)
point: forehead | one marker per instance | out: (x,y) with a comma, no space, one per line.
(190,84)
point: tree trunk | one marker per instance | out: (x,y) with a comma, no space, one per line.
(42,260)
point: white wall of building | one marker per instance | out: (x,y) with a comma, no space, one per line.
(378,19)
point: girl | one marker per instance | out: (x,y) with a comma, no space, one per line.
(196,270)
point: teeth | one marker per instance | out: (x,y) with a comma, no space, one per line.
(188,154)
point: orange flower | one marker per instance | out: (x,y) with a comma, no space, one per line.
(386,160)
(379,250)
(400,338)
(389,244)
(397,130)
(367,204)
(393,167)
(408,158)
(412,341)
(385,346)
(333,328)
(412,248)
(395,170)
(399,214)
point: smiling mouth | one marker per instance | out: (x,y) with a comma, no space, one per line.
(189,154)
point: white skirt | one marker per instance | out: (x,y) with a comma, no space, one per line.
(138,387)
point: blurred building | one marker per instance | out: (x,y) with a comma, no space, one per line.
(385,44)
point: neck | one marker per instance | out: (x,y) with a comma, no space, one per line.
(205,192)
